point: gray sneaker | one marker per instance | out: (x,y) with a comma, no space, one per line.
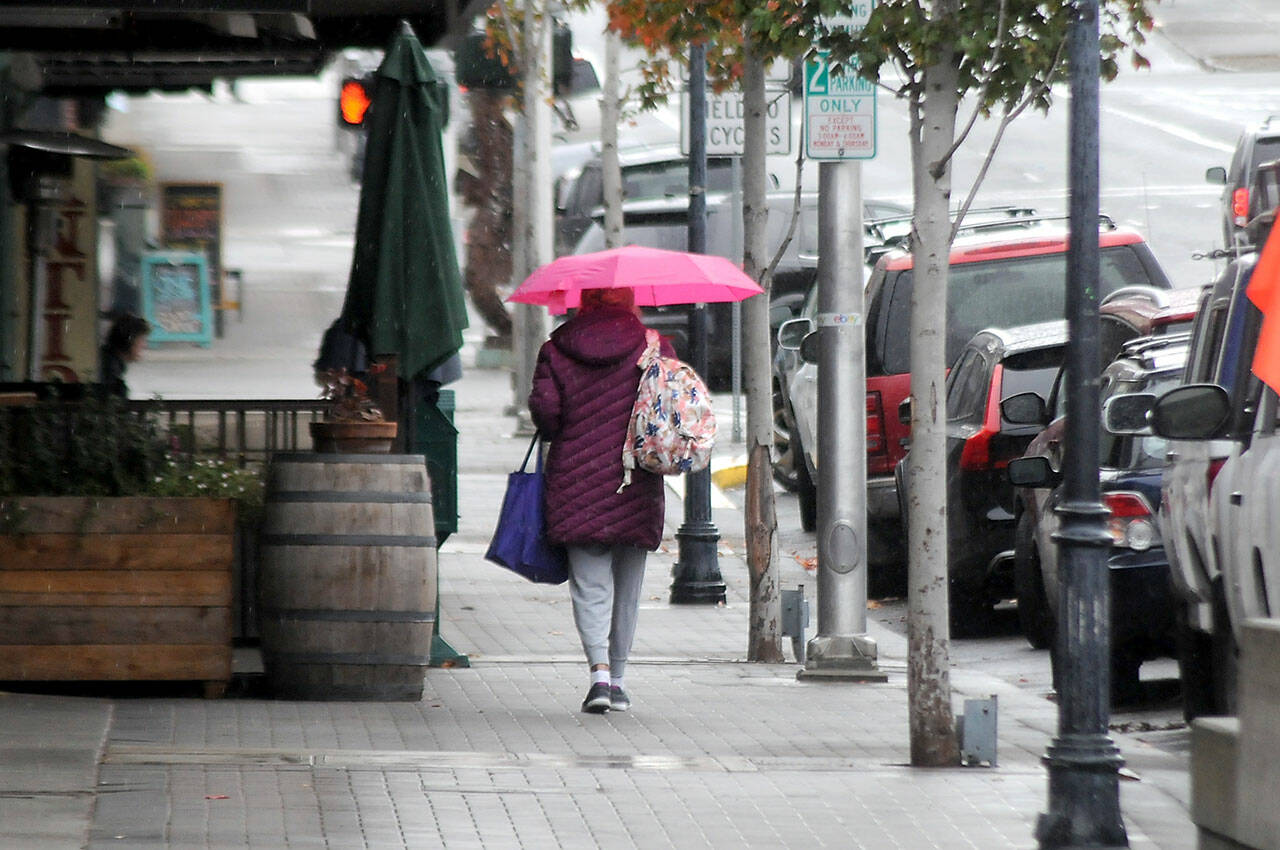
(597,701)
(618,699)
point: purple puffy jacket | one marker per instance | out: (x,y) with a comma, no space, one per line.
(584,386)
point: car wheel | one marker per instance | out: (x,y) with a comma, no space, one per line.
(1225,654)
(785,457)
(1034,615)
(1195,668)
(886,558)
(972,612)
(1126,684)
(806,492)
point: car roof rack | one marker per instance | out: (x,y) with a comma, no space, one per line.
(1104,222)
(1011,213)
(1139,346)
(1016,221)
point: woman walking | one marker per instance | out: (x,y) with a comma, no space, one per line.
(584,387)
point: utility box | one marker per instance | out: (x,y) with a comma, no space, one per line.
(976,729)
(795,619)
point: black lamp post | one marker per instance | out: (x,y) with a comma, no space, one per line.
(696,575)
(1083,763)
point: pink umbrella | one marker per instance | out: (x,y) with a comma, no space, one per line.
(657,276)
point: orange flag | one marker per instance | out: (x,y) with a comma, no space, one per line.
(1264,292)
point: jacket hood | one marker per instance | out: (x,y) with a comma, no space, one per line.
(601,337)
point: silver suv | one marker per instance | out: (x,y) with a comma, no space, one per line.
(1222,346)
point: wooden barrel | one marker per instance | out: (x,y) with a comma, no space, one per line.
(347,577)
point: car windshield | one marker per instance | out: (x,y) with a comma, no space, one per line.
(1031,371)
(671,180)
(1004,293)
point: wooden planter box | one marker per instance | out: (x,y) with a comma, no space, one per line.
(128,588)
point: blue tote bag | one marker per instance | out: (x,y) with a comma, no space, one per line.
(520,540)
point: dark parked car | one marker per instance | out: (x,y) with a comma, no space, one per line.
(1131,469)
(1257,145)
(980,442)
(1006,273)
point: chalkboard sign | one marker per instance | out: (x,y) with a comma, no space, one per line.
(191,220)
(175,297)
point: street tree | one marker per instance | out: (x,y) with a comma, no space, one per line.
(1005,56)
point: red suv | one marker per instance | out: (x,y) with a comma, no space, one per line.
(1004,274)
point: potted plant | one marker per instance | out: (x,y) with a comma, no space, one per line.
(353,423)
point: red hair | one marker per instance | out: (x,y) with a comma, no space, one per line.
(593,299)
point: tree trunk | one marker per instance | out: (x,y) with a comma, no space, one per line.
(764,642)
(610,110)
(933,740)
(533,206)
(486,187)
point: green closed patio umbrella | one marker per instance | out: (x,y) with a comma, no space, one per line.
(405,294)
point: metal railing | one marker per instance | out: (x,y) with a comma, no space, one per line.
(247,431)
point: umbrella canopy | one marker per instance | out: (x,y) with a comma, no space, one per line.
(657,276)
(405,296)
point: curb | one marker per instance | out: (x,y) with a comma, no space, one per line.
(730,472)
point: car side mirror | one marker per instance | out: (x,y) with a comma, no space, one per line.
(1190,412)
(1217,174)
(1126,414)
(792,332)
(904,411)
(809,347)
(1035,472)
(1025,409)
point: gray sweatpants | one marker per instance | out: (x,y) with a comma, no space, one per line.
(604,584)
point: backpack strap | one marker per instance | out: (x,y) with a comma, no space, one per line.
(652,351)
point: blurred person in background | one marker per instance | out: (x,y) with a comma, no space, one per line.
(124,345)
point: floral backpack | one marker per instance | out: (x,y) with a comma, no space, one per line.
(672,427)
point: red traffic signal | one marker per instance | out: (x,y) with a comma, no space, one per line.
(353,100)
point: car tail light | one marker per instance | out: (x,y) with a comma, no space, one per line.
(875,424)
(1131,524)
(1240,206)
(978,453)
(1211,472)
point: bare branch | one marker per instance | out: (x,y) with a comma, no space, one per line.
(1005,121)
(791,228)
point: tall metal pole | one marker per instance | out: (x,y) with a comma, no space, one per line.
(841,648)
(1083,763)
(696,575)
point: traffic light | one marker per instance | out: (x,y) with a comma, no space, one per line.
(353,100)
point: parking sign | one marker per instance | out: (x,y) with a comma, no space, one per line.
(839,112)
